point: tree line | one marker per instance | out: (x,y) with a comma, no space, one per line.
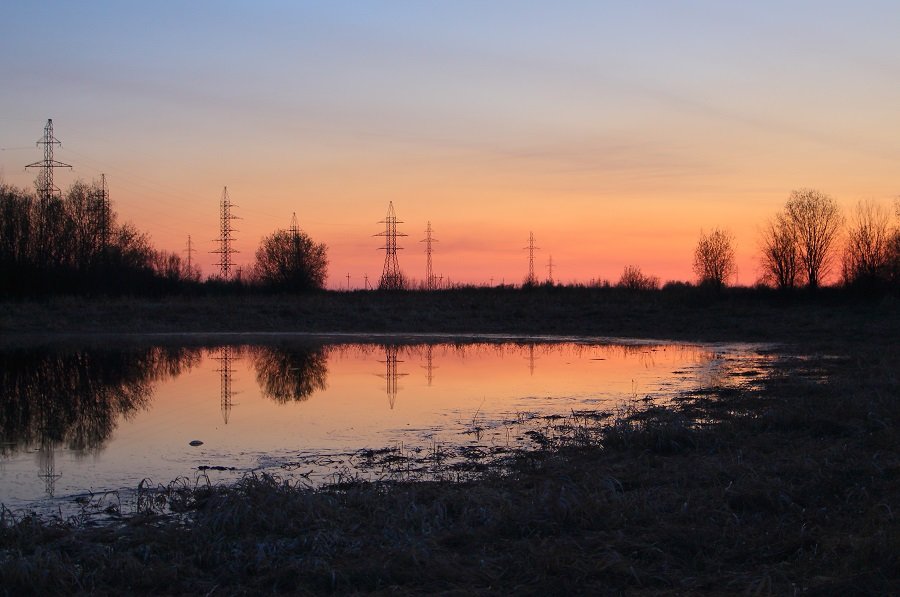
(74,244)
(802,245)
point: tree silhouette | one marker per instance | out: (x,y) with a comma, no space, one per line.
(290,260)
(714,258)
(780,256)
(815,221)
(866,257)
(634,279)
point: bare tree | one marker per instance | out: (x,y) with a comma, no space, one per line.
(780,259)
(894,247)
(867,252)
(714,258)
(815,220)
(634,279)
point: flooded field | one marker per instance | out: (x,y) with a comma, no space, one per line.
(79,423)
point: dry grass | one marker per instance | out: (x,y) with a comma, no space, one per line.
(679,314)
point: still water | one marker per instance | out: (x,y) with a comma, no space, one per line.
(83,421)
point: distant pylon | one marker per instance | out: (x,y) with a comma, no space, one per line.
(44,183)
(294,231)
(105,214)
(550,270)
(430,282)
(391,277)
(190,251)
(531,280)
(225,249)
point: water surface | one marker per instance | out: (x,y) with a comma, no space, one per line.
(82,421)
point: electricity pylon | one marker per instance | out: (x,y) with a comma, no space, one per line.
(531,280)
(44,183)
(225,249)
(430,283)
(391,277)
(46,190)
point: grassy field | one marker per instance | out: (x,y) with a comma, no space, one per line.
(678,313)
(790,487)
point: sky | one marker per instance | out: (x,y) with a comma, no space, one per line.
(616,132)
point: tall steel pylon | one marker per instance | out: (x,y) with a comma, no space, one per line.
(294,229)
(225,249)
(391,277)
(550,270)
(531,280)
(430,283)
(190,250)
(46,190)
(44,183)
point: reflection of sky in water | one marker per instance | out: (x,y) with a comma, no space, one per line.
(94,421)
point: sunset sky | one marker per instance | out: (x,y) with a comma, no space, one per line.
(616,132)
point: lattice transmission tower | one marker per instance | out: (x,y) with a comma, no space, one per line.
(44,183)
(190,252)
(46,190)
(225,250)
(531,280)
(294,231)
(430,280)
(550,270)
(391,276)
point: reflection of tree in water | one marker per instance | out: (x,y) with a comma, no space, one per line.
(290,373)
(72,398)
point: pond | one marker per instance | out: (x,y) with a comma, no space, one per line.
(76,422)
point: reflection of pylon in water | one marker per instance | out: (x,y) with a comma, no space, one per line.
(46,454)
(429,366)
(531,359)
(47,460)
(226,393)
(391,375)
